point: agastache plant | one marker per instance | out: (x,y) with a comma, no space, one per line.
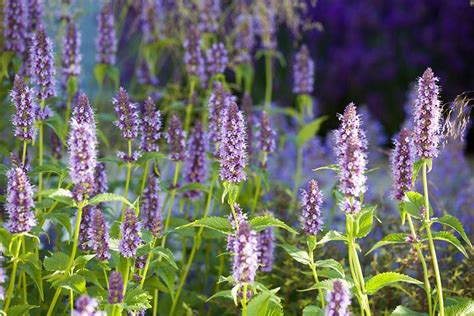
(338,300)
(303,72)
(218,101)
(196,162)
(266,247)
(193,57)
(151,133)
(14,26)
(209,13)
(106,42)
(71,58)
(42,67)
(217,59)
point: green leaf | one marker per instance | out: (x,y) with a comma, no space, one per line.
(332,167)
(151,156)
(56,123)
(61,195)
(364,221)
(34,271)
(74,282)
(398,238)
(297,254)
(455,224)
(387,278)
(109,197)
(193,187)
(232,190)
(309,130)
(465,308)
(81,261)
(258,306)
(20,310)
(136,299)
(414,204)
(312,310)
(57,262)
(331,264)
(99,73)
(223,294)
(220,224)
(332,235)
(450,238)
(166,254)
(327,285)
(416,169)
(404,311)
(259,223)
(48,168)
(72,85)
(62,219)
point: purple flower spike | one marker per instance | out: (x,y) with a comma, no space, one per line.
(245,40)
(266,248)
(115,288)
(195,164)
(82,145)
(151,127)
(106,42)
(193,57)
(14,25)
(351,147)
(85,226)
(128,120)
(99,235)
(241,217)
(86,306)
(265,24)
(217,59)
(24,117)
(401,159)
(218,101)
(176,139)
(42,64)
(266,135)
(56,146)
(303,72)
(311,200)
(427,116)
(82,111)
(130,234)
(209,12)
(245,252)
(35,13)
(101,184)
(150,18)
(19,202)
(233,148)
(151,207)
(338,300)
(71,62)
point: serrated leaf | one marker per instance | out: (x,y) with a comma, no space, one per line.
(464,308)
(62,219)
(259,223)
(450,238)
(416,169)
(309,130)
(20,310)
(387,278)
(405,311)
(223,294)
(312,310)
(220,224)
(74,282)
(136,299)
(297,254)
(109,197)
(151,156)
(364,221)
(397,238)
(57,262)
(331,264)
(455,224)
(414,204)
(332,235)
(61,195)
(193,187)
(258,306)
(165,254)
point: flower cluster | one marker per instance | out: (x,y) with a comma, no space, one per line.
(402,158)
(195,163)
(14,26)
(311,200)
(128,120)
(266,248)
(193,57)
(106,42)
(245,250)
(218,102)
(176,139)
(151,127)
(115,288)
(338,300)
(86,306)
(266,135)
(19,202)
(71,58)
(24,117)
(209,13)
(99,234)
(245,38)
(150,18)
(150,208)
(217,59)
(130,234)
(42,64)
(303,72)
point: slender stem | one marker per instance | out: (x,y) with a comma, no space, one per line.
(196,245)
(439,285)
(147,265)
(423,264)
(315,276)
(127,180)
(71,258)
(68,114)
(71,301)
(244,300)
(23,155)
(126,276)
(268,78)
(299,167)
(170,208)
(40,146)
(361,280)
(236,220)
(22,273)
(145,174)
(155,303)
(257,194)
(12,276)
(189,108)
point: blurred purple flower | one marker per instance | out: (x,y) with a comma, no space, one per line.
(14,25)
(338,300)
(245,252)
(115,288)
(84,227)
(218,102)
(402,159)
(151,127)
(311,200)
(303,72)
(99,234)
(71,58)
(101,183)
(265,15)
(195,163)
(130,234)
(209,14)
(193,57)
(151,18)
(266,134)
(19,202)
(86,306)
(42,64)
(24,117)
(106,42)
(245,38)
(217,59)
(151,207)
(266,248)
(176,139)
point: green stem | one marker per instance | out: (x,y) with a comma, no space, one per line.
(244,300)
(439,285)
(423,264)
(40,154)
(147,265)
(12,276)
(299,167)
(269,79)
(196,245)
(145,175)
(71,258)
(127,180)
(236,220)
(189,108)
(257,194)
(71,301)
(315,276)
(155,303)
(22,273)
(170,207)
(23,155)
(68,114)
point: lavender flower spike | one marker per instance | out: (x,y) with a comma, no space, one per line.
(86,306)
(85,226)
(106,42)
(101,185)
(19,202)
(233,149)
(241,217)
(311,200)
(99,235)
(245,40)
(401,159)
(209,12)
(151,127)
(217,59)
(71,63)
(338,300)
(266,248)
(303,72)
(42,64)
(266,135)
(351,147)
(82,111)
(115,288)
(217,104)
(24,117)
(193,57)
(151,207)
(195,163)
(175,138)
(427,116)
(130,234)
(14,25)
(128,120)
(245,251)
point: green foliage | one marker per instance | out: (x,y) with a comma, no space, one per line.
(381,280)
